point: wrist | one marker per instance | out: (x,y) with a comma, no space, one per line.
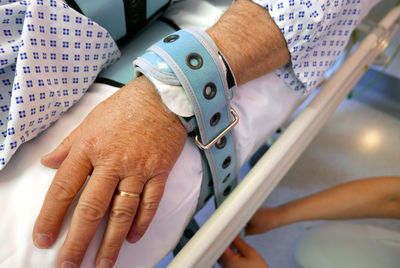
(251,51)
(143,89)
(278,217)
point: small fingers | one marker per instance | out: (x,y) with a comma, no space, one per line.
(55,158)
(229,256)
(149,201)
(242,246)
(66,184)
(88,214)
(228,253)
(249,256)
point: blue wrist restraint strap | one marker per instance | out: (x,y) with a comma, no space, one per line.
(191,59)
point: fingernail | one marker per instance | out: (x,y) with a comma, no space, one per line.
(42,240)
(43,160)
(105,263)
(134,238)
(68,264)
(45,156)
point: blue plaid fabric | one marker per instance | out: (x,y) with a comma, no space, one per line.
(49,56)
(316,32)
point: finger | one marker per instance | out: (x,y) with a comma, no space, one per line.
(58,155)
(242,246)
(229,256)
(149,201)
(66,184)
(88,214)
(120,219)
(229,253)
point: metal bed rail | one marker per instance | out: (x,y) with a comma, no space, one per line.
(216,234)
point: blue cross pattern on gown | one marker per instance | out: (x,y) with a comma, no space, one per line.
(315,32)
(49,56)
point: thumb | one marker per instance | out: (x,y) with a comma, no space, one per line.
(58,155)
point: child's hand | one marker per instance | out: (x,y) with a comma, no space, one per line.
(247,256)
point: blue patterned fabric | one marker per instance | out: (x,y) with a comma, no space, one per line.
(316,32)
(49,56)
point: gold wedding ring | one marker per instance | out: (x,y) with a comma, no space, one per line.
(128,194)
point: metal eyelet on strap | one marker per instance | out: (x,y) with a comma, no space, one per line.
(189,233)
(208,146)
(194,61)
(135,18)
(221,143)
(226,178)
(171,38)
(209,91)
(227,191)
(215,119)
(226,162)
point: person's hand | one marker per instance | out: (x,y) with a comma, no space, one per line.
(129,143)
(264,220)
(245,258)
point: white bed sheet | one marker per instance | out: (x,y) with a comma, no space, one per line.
(24,182)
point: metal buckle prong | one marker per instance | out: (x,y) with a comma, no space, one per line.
(209,145)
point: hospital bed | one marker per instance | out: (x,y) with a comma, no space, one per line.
(25,177)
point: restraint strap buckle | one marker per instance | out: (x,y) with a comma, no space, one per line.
(223,133)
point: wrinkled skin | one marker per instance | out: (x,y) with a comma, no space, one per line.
(129,142)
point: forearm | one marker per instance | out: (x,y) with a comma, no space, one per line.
(367,198)
(250,40)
